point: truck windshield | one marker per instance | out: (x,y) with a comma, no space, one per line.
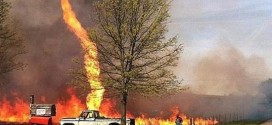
(87,115)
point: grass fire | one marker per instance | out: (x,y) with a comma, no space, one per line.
(135,62)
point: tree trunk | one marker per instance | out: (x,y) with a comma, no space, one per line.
(123,108)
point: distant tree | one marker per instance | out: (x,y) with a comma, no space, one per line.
(266,87)
(11,44)
(134,54)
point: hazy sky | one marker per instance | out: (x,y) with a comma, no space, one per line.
(206,25)
(246,24)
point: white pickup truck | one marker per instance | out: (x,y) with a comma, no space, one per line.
(92,117)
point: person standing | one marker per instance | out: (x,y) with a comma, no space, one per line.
(178,120)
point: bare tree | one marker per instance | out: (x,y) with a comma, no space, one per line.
(11,44)
(134,54)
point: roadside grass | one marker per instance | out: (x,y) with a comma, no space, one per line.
(245,122)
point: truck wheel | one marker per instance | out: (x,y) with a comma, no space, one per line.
(114,124)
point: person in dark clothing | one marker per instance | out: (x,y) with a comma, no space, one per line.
(178,120)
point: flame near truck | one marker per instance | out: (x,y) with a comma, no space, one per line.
(92,117)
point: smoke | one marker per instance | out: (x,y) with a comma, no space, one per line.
(227,71)
(194,105)
(225,82)
(50,45)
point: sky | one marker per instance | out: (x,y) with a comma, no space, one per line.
(208,27)
(245,24)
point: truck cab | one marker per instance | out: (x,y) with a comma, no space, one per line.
(92,117)
(89,114)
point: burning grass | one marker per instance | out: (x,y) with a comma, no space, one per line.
(18,112)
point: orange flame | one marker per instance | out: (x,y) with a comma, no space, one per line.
(94,99)
(19,112)
(142,120)
(107,109)
(70,108)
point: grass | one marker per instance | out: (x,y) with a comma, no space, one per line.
(248,122)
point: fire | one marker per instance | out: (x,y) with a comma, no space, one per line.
(70,108)
(107,109)
(18,112)
(143,120)
(108,106)
(94,99)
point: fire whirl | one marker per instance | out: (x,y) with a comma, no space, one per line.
(94,99)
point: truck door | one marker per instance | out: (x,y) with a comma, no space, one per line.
(87,121)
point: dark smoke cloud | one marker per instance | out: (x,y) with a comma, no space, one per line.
(50,45)
(226,70)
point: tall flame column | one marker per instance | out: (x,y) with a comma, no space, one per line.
(90,58)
